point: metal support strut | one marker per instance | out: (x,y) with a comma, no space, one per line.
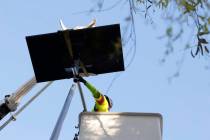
(62,116)
(75,72)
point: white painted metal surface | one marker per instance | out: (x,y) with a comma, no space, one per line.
(120,126)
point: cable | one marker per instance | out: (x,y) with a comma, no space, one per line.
(112,82)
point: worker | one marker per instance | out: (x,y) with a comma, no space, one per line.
(102,102)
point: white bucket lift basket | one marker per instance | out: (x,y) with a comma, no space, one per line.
(120,126)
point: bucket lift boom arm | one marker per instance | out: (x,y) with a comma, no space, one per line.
(10,102)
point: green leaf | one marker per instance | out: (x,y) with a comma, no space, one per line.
(203,33)
(188,7)
(204,29)
(169,31)
(203,18)
(163,3)
(202,40)
(209,20)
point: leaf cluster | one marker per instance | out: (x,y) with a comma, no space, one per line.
(186,12)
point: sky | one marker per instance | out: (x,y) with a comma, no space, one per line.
(142,87)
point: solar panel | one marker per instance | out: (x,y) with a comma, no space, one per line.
(99,50)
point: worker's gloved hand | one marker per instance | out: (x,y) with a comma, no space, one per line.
(79,79)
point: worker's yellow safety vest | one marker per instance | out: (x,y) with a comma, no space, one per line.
(101,104)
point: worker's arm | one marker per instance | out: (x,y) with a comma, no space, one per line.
(101,102)
(94,91)
(96,94)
